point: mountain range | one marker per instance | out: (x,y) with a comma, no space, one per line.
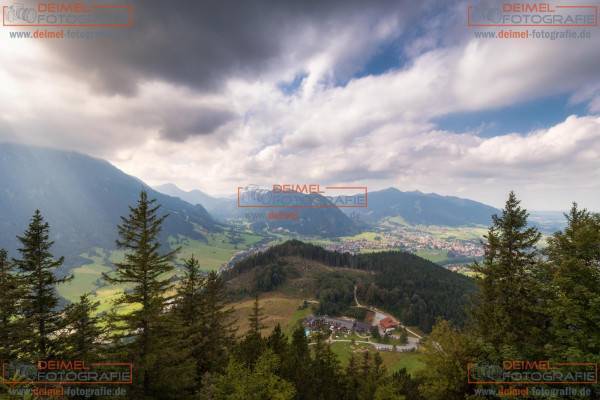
(415,208)
(321,219)
(82,198)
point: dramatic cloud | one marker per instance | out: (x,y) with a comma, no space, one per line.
(203,44)
(212,96)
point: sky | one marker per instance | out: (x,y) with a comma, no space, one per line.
(213,95)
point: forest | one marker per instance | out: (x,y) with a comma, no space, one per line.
(531,304)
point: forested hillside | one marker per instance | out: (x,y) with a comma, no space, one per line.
(416,290)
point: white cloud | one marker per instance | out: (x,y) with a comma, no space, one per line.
(375,130)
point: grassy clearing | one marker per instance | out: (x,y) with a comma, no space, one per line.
(433,255)
(88,277)
(456,233)
(412,361)
(278,309)
(367,235)
(393,361)
(216,251)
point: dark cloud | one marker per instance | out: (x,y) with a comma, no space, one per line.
(199,43)
(201,121)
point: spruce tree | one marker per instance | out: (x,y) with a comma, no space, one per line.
(253,344)
(205,318)
(37,266)
(510,316)
(352,381)
(218,331)
(574,256)
(326,379)
(278,342)
(83,340)
(10,295)
(256,318)
(297,366)
(144,272)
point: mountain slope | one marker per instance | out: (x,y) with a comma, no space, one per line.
(81,197)
(418,208)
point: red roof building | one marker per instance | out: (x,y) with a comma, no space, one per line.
(387,323)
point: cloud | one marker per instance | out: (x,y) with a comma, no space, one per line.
(203,44)
(209,112)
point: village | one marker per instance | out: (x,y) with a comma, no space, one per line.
(410,240)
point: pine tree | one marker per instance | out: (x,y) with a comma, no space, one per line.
(205,318)
(10,295)
(352,381)
(510,315)
(574,255)
(326,377)
(241,382)
(278,342)
(218,323)
(256,318)
(253,344)
(296,368)
(41,318)
(144,270)
(82,342)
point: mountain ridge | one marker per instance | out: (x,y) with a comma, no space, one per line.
(66,186)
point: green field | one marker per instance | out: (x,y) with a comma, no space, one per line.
(88,277)
(216,251)
(212,254)
(455,233)
(393,361)
(433,255)
(367,235)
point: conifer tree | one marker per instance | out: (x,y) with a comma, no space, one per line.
(144,269)
(10,295)
(352,381)
(574,256)
(241,382)
(510,316)
(37,266)
(218,321)
(82,342)
(296,367)
(277,342)
(253,344)
(256,318)
(326,378)
(205,318)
